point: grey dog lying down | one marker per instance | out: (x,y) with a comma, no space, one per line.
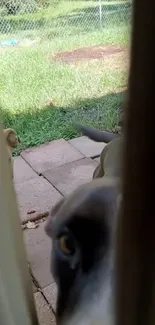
(82,229)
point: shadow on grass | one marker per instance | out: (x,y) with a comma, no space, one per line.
(37,127)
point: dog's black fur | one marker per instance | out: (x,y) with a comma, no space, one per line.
(88,216)
(96,135)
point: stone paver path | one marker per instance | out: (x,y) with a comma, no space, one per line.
(68,177)
(41,177)
(44,311)
(35,196)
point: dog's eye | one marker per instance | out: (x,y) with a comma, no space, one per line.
(67,244)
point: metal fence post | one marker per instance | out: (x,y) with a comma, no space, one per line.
(16,295)
(100,11)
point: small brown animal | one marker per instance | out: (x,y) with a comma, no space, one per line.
(12,142)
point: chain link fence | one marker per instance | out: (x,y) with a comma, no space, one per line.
(49,18)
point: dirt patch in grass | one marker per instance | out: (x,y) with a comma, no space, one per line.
(87,53)
(117,61)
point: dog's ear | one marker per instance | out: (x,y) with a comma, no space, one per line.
(52,214)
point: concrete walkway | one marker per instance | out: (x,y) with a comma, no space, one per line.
(41,177)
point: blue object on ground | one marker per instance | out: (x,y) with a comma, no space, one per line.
(8,43)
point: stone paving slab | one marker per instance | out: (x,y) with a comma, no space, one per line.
(87,147)
(36,195)
(68,177)
(55,153)
(97,159)
(34,288)
(38,247)
(22,171)
(44,312)
(50,293)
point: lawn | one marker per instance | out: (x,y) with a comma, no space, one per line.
(89,91)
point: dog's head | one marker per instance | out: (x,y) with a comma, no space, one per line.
(81,228)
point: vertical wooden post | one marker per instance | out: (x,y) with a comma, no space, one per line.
(16,296)
(135,258)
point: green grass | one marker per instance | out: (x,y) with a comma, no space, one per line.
(83,92)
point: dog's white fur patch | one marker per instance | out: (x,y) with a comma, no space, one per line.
(98,309)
